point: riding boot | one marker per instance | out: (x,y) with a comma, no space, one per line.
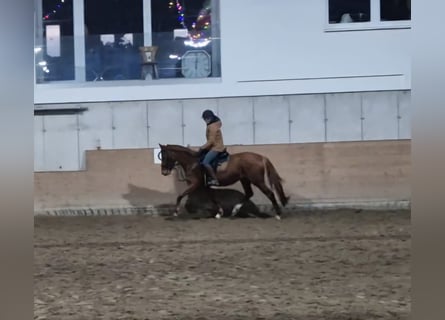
(211,172)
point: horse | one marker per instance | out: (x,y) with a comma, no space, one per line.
(247,167)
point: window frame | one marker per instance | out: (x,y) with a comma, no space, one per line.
(374,24)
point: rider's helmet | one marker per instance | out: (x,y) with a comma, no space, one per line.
(208,114)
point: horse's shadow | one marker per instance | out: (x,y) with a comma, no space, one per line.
(142,197)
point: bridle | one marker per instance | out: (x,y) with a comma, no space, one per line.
(176,166)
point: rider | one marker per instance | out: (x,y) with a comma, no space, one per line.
(214,144)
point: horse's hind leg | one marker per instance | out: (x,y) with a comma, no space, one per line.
(248,193)
(269,193)
(178,202)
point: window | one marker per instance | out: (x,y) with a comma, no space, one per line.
(54,50)
(105,40)
(345,11)
(113,34)
(186,30)
(368,14)
(391,10)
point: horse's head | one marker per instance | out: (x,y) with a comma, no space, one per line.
(167,161)
(175,155)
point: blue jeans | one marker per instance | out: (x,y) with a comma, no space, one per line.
(209,158)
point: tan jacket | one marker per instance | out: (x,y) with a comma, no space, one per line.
(214,137)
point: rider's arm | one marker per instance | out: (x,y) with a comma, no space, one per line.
(211,139)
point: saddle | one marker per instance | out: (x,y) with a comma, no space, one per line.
(222,157)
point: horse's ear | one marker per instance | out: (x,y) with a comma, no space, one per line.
(161,146)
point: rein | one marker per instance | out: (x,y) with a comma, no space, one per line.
(181,173)
(178,167)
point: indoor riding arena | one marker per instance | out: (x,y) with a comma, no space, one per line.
(321,89)
(323,260)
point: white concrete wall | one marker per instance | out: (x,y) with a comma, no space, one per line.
(61,141)
(271,48)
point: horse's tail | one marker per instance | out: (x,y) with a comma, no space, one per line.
(275,180)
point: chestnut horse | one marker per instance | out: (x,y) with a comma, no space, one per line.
(247,167)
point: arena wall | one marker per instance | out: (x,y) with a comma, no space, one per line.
(349,174)
(61,140)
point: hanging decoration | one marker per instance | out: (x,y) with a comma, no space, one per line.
(203,19)
(199,34)
(180,9)
(54,11)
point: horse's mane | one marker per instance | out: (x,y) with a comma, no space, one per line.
(176,147)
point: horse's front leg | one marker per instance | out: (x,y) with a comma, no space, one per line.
(186,192)
(212,198)
(178,202)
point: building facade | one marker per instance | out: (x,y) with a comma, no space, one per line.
(288,71)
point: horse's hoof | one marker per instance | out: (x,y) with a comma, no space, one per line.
(175,214)
(218,216)
(277,217)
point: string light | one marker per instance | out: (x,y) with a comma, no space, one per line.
(54,11)
(180,9)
